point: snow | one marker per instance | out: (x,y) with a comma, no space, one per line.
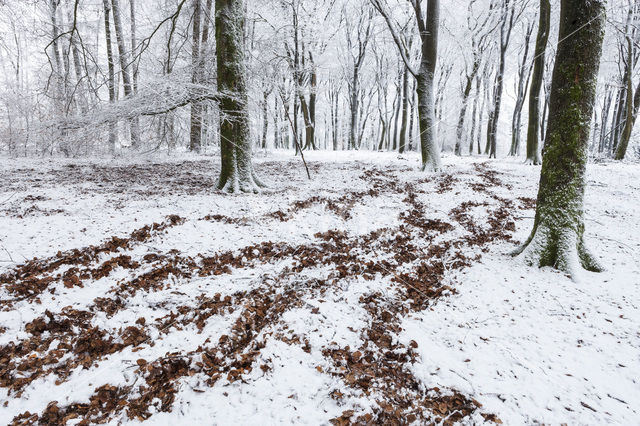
(529,344)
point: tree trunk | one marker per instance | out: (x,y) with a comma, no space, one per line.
(236,173)
(195,134)
(311,132)
(402,143)
(524,75)
(463,110)
(134,45)
(557,238)
(353,103)
(265,118)
(412,115)
(124,65)
(396,115)
(426,115)
(505,36)
(631,108)
(533,150)
(474,115)
(111,80)
(604,118)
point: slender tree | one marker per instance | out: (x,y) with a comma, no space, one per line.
(195,134)
(632,102)
(428,27)
(237,173)
(507,19)
(111,80)
(357,37)
(533,128)
(524,75)
(124,65)
(402,142)
(557,238)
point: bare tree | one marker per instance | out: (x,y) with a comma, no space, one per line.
(544,27)
(237,173)
(507,19)
(124,68)
(557,238)
(524,74)
(111,76)
(428,27)
(357,39)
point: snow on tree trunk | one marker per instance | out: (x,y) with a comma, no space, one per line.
(427,121)
(111,81)
(402,143)
(124,65)
(195,133)
(424,89)
(237,172)
(557,238)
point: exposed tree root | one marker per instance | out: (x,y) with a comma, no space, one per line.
(562,249)
(242,183)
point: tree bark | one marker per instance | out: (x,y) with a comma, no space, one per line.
(124,65)
(402,143)
(265,118)
(463,110)
(505,36)
(557,238)
(111,80)
(237,173)
(631,106)
(424,75)
(195,134)
(134,45)
(524,75)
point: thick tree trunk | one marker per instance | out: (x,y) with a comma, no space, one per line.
(412,115)
(533,136)
(309,131)
(427,120)
(557,238)
(237,172)
(424,89)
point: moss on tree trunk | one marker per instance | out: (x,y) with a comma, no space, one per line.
(557,238)
(236,174)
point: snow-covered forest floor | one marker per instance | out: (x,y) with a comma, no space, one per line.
(372,293)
